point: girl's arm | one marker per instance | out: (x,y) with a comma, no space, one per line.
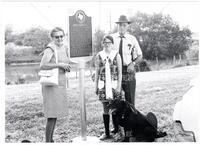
(119,69)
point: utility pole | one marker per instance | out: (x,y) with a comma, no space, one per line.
(110,22)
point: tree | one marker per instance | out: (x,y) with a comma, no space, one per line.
(8,34)
(98,37)
(37,38)
(159,36)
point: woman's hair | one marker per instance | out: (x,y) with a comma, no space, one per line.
(56,29)
(108,37)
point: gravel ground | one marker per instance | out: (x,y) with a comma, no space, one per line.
(157,91)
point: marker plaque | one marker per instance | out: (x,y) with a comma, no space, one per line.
(80,33)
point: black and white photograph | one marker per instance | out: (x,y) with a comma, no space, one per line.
(101,71)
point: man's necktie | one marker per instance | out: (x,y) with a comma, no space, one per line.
(120,48)
(108,80)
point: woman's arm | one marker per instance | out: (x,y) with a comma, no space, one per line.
(45,62)
(119,69)
(48,65)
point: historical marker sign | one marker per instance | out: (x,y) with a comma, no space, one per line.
(80,34)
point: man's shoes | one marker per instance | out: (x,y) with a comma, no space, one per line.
(132,139)
(113,131)
(118,136)
(125,139)
(104,137)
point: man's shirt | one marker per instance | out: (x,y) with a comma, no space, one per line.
(130,47)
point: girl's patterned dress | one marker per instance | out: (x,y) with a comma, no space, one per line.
(101,61)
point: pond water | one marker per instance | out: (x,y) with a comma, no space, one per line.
(28,72)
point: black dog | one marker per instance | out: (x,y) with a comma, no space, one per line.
(142,127)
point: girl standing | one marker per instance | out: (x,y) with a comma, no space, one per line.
(108,79)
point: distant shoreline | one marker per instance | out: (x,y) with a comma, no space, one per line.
(23,63)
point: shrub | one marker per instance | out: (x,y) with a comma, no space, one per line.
(192,54)
(142,66)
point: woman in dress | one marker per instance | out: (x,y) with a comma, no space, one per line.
(54,97)
(108,79)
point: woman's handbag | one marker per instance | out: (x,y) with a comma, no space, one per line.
(49,77)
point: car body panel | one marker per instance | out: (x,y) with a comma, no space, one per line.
(187,109)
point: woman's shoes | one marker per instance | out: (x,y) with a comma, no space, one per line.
(26,141)
(51,141)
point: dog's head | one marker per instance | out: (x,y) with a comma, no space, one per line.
(119,106)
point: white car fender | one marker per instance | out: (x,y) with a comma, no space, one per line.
(188,108)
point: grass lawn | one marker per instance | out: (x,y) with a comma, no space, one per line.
(157,91)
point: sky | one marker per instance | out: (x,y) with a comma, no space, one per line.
(24,15)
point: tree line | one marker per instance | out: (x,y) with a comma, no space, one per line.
(37,38)
(159,36)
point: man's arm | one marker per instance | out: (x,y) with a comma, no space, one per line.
(138,59)
(136,56)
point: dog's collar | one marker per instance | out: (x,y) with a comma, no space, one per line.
(133,109)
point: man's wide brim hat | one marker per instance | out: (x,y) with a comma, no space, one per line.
(123,19)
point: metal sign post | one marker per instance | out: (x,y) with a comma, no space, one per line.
(80,34)
(82,95)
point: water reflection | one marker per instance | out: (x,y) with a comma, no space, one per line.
(28,72)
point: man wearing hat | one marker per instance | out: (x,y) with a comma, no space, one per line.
(130,53)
